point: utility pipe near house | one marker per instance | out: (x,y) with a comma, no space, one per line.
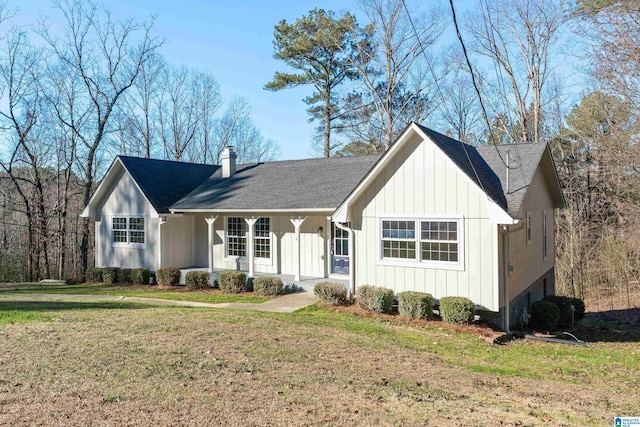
(352,271)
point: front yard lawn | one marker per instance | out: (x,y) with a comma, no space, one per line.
(176,293)
(76,364)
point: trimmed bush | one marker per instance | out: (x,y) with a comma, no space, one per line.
(94,275)
(197,280)
(564,304)
(457,309)
(110,275)
(267,286)
(232,282)
(544,315)
(375,299)
(362,296)
(168,276)
(140,276)
(124,276)
(415,305)
(331,293)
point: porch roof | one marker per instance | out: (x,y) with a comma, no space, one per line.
(312,184)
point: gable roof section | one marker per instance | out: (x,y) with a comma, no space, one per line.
(312,184)
(524,160)
(165,182)
(472,163)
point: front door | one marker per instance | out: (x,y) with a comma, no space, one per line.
(339,250)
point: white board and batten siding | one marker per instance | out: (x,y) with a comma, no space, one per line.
(313,245)
(421,182)
(124,199)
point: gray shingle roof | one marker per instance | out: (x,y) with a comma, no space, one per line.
(490,169)
(523,162)
(165,182)
(292,184)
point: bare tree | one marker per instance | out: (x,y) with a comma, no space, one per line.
(23,166)
(107,56)
(396,70)
(461,112)
(516,37)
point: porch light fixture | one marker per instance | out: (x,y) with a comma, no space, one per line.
(320,230)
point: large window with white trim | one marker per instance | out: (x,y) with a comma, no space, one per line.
(262,238)
(128,231)
(236,236)
(423,241)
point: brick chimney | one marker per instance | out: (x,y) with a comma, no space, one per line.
(228,162)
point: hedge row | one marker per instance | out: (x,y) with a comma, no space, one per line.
(556,311)
(413,305)
(125,276)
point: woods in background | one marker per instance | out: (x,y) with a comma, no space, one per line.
(503,72)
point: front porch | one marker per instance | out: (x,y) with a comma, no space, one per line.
(289,280)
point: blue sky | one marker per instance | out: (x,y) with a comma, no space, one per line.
(233,41)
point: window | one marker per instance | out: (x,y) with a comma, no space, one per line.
(528,227)
(437,242)
(128,230)
(236,236)
(398,239)
(262,238)
(544,234)
(340,242)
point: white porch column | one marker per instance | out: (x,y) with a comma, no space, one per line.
(161,221)
(211,236)
(297,222)
(250,222)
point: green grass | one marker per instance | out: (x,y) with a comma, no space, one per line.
(315,366)
(131,291)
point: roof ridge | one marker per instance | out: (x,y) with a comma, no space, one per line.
(121,156)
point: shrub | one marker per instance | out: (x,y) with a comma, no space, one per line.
(375,299)
(267,286)
(544,315)
(124,276)
(362,296)
(168,276)
(566,314)
(232,282)
(140,276)
(331,293)
(457,309)
(94,275)
(197,280)
(415,305)
(110,275)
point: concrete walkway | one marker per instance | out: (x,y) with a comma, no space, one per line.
(284,304)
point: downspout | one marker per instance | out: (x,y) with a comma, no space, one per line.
(505,281)
(507,271)
(352,270)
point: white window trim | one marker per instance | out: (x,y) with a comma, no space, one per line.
(256,260)
(128,243)
(435,265)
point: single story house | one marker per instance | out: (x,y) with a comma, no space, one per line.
(431,214)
